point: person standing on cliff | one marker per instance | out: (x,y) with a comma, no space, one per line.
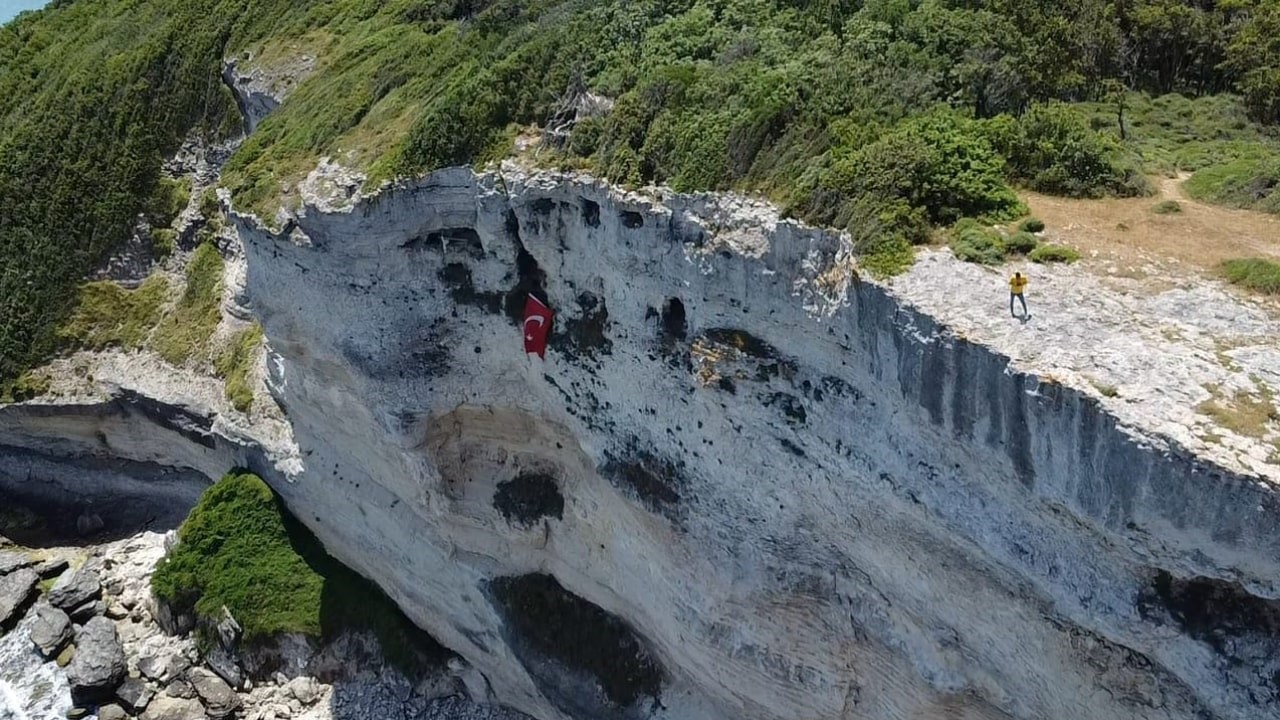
(1017,286)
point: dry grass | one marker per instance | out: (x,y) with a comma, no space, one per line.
(1201,235)
(1245,413)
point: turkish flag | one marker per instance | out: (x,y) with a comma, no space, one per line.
(537,323)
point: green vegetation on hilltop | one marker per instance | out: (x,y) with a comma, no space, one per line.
(234,363)
(880,116)
(1258,274)
(184,333)
(240,548)
(108,315)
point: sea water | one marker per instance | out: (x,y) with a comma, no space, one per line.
(30,688)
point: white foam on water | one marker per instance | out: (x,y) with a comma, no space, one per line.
(30,688)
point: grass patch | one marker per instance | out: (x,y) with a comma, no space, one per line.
(1247,183)
(1054,254)
(1255,274)
(1245,413)
(184,333)
(28,386)
(235,362)
(240,548)
(108,315)
(1031,225)
(972,242)
(1167,207)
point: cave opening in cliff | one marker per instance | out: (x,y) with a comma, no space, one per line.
(530,280)
(674,324)
(547,622)
(1213,611)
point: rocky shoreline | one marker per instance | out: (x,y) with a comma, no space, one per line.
(87,618)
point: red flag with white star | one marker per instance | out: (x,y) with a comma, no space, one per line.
(537,324)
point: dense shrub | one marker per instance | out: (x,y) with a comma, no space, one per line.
(1054,254)
(973,243)
(1021,242)
(1257,274)
(1031,225)
(240,548)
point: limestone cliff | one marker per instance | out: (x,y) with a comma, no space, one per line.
(743,483)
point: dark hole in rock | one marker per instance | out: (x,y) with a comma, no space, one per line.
(743,341)
(590,213)
(531,281)
(549,622)
(452,239)
(457,277)
(631,219)
(585,334)
(543,206)
(654,480)
(528,498)
(1212,611)
(673,320)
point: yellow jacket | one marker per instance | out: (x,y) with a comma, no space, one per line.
(1017,284)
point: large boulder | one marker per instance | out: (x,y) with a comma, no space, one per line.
(51,629)
(99,665)
(218,697)
(112,712)
(15,590)
(75,588)
(172,708)
(134,695)
(82,613)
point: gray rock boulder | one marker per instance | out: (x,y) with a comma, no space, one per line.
(82,613)
(173,708)
(219,699)
(112,712)
(180,688)
(304,689)
(15,590)
(11,560)
(74,588)
(51,630)
(224,663)
(134,695)
(52,567)
(99,664)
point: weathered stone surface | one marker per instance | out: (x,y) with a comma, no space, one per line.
(11,560)
(304,689)
(172,708)
(180,688)
(75,588)
(52,567)
(99,664)
(219,699)
(134,695)
(111,712)
(83,612)
(16,589)
(51,630)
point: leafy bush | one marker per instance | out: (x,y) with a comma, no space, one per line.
(184,333)
(240,548)
(1257,274)
(1032,225)
(972,243)
(1053,150)
(1167,207)
(28,386)
(234,363)
(1021,243)
(108,315)
(1054,254)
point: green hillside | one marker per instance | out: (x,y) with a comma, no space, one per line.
(885,117)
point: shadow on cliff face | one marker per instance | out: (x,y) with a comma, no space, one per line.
(529,497)
(50,502)
(586,662)
(1219,613)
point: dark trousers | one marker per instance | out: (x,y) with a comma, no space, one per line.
(1021,300)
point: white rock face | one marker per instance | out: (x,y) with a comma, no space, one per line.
(742,484)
